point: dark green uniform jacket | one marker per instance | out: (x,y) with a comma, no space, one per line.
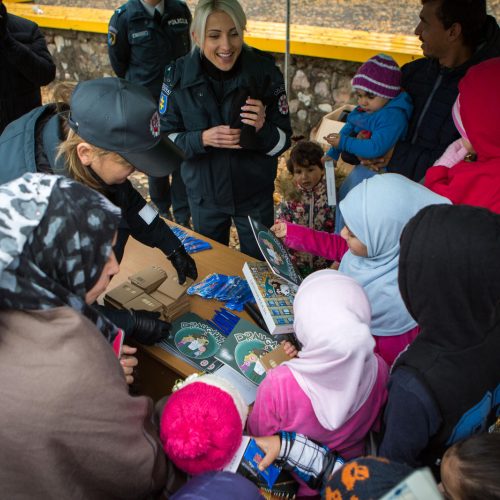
(140,46)
(229,180)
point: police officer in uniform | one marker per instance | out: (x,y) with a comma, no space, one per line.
(112,128)
(224,105)
(143,37)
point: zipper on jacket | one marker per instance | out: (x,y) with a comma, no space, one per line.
(426,107)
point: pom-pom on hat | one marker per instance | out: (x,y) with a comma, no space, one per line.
(380,75)
(202,424)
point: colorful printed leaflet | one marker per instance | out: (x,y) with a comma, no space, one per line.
(191,244)
(275,253)
(195,341)
(242,350)
(273,295)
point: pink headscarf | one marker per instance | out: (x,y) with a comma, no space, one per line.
(337,367)
(457,118)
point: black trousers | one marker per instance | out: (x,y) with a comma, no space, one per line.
(216,224)
(165,193)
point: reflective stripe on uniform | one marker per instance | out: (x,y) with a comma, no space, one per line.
(280,145)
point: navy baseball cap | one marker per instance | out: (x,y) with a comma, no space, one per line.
(123,118)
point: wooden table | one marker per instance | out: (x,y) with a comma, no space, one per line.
(158,369)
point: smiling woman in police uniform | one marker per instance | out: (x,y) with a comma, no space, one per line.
(224,105)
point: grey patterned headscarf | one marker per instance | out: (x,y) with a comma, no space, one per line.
(55,238)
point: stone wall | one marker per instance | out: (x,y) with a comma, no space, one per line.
(317,86)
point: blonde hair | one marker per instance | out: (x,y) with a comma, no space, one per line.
(206,7)
(75,168)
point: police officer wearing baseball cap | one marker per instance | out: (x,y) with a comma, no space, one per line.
(111,129)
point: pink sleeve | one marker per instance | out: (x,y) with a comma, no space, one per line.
(264,419)
(328,245)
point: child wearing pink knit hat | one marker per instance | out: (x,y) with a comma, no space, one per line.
(202,424)
(375,125)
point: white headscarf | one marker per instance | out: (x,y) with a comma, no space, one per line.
(376,211)
(337,367)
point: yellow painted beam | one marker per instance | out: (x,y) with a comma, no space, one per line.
(64,18)
(328,43)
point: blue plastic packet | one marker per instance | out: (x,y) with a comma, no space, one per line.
(208,287)
(245,295)
(225,320)
(191,244)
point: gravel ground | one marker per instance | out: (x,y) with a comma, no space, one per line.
(374,15)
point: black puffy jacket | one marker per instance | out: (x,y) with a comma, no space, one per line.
(26,65)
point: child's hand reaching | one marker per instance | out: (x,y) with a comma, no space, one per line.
(279,230)
(271,446)
(290,349)
(333,140)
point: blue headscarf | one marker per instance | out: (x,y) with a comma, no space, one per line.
(376,211)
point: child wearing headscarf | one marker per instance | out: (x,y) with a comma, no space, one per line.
(68,426)
(469,170)
(445,386)
(334,391)
(375,213)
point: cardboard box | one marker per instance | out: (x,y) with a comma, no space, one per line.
(152,290)
(149,279)
(171,288)
(144,303)
(329,124)
(119,296)
(274,358)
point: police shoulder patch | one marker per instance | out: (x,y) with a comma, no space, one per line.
(283,104)
(162,105)
(154,125)
(112,36)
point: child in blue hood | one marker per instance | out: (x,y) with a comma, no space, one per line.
(376,124)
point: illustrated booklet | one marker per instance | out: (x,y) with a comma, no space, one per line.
(274,282)
(240,353)
(275,253)
(195,341)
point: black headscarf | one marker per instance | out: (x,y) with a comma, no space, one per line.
(449,278)
(55,238)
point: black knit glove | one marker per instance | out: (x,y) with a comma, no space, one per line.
(148,328)
(184,264)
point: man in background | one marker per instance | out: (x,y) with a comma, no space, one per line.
(455,35)
(26,65)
